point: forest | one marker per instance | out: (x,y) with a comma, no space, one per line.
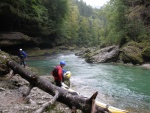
(117,32)
(73,22)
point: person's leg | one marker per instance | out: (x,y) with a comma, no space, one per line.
(20,61)
(58,83)
(23,62)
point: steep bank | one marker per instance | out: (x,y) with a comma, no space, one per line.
(12,41)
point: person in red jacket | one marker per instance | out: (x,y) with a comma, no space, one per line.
(58,74)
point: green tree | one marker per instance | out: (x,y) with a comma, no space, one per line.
(70,25)
(113,16)
(57,11)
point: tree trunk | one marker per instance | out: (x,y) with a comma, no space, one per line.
(66,97)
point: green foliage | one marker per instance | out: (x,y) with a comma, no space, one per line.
(69,27)
(57,10)
(118,27)
(73,22)
(34,16)
(84,10)
(146,52)
(80,27)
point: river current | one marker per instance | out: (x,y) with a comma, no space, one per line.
(124,87)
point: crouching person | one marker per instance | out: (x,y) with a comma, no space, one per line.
(58,74)
(66,77)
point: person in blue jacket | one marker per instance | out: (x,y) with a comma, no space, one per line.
(22,56)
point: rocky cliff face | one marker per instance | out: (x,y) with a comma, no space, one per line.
(139,10)
(23,23)
(12,41)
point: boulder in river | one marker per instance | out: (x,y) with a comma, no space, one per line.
(108,54)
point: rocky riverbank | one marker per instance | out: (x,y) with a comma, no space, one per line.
(131,53)
(12,89)
(12,101)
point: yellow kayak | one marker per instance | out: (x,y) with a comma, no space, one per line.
(103,105)
(110,108)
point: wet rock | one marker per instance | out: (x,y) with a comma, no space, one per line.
(83,52)
(147,66)
(108,54)
(131,53)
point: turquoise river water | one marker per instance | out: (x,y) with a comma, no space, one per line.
(124,87)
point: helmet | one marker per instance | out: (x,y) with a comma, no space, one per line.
(67,75)
(62,63)
(20,49)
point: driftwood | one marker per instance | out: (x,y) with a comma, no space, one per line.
(86,105)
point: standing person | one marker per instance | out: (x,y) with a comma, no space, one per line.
(22,56)
(58,74)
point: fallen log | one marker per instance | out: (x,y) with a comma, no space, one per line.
(87,105)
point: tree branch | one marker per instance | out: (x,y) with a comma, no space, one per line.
(44,106)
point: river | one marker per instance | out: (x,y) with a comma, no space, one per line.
(124,87)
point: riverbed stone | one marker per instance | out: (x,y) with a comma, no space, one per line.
(107,54)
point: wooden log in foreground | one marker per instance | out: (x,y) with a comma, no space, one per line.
(72,100)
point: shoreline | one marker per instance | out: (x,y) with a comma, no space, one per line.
(56,51)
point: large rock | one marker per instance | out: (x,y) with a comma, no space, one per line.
(146,54)
(131,53)
(14,38)
(108,54)
(4,57)
(3,66)
(10,41)
(84,52)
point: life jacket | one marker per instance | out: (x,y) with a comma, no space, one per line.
(55,71)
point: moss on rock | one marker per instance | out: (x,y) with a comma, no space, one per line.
(132,53)
(4,57)
(146,53)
